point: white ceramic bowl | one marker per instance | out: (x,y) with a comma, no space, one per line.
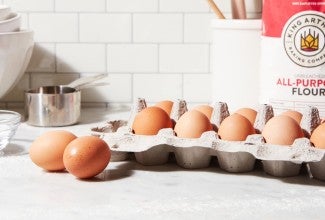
(15,51)
(4,12)
(12,23)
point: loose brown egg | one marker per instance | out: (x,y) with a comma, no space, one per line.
(86,156)
(281,130)
(205,109)
(297,116)
(235,128)
(165,105)
(47,150)
(248,113)
(318,136)
(150,120)
(192,124)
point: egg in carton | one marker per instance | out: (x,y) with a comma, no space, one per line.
(233,156)
(286,160)
(155,150)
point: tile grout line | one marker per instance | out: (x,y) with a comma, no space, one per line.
(132,43)
(54,6)
(182,85)
(158,58)
(30,73)
(209,57)
(78,27)
(106,58)
(132,88)
(55,58)
(132,28)
(183,28)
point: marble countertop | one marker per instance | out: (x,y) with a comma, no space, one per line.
(128,190)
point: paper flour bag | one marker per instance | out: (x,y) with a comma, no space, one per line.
(292,71)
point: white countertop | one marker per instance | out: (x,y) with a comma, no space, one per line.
(128,190)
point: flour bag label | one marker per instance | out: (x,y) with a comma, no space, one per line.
(292,71)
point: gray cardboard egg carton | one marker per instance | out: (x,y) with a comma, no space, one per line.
(233,156)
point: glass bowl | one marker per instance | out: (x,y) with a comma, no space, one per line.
(9,121)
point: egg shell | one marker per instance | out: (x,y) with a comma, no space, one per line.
(318,136)
(235,128)
(86,156)
(248,113)
(192,124)
(205,109)
(166,105)
(150,120)
(47,150)
(282,130)
(297,116)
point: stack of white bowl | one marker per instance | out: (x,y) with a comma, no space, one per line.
(16,48)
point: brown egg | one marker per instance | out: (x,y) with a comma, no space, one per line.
(192,124)
(86,156)
(248,113)
(281,130)
(47,150)
(318,136)
(235,128)
(150,120)
(165,105)
(297,116)
(205,109)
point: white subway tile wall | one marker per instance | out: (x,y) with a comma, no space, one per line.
(54,27)
(80,6)
(156,49)
(132,58)
(158,28)
(132,6)
(100,27)
(43,58)
(156,87)
(81,57)
(187,58)
(31,5)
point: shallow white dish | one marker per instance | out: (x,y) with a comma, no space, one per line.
(12,23)
(15,52)
(4,12)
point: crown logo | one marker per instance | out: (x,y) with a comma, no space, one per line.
(309,42)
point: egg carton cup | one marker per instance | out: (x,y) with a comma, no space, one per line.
(233,156)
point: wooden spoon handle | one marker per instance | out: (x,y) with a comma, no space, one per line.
(215,9)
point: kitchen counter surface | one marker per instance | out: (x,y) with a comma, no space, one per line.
(128,190)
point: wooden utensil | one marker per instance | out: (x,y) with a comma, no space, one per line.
(238,9)
(215,9)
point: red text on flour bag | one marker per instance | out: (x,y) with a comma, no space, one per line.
(292,72)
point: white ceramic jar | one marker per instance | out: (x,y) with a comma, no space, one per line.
(235,62)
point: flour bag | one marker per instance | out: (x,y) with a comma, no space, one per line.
(292,71)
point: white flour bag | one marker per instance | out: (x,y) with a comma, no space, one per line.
(292,71)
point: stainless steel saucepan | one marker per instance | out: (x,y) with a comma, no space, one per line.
(58,105)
